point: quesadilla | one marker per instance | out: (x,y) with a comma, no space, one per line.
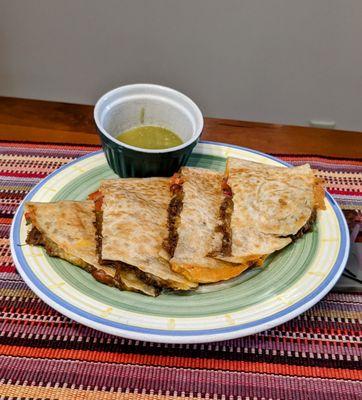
(192,217)
(131,224)
(272,206)
(66,230)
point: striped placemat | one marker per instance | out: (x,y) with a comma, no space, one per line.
(44,355)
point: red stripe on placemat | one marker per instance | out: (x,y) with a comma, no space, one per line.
(7,268)
(345,192)
(180,362)
(24,174)
(37,145)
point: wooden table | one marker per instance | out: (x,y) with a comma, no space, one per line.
(45,121)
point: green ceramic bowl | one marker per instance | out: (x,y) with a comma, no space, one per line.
(144,104)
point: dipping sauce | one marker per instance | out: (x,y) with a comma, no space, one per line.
(150,137)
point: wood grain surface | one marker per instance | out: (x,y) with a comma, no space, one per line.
(45,121)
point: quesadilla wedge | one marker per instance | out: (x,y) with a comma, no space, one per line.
(192,216)
(66,230)
(131,224)
(272,206)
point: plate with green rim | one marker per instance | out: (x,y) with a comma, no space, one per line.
(290,282)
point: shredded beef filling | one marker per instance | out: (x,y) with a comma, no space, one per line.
(307,227)
(226,210)
(173,219)
(98,225)
(224,227)
(35,237)
(225,213)
(148,279)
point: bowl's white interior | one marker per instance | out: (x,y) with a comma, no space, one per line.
(136,110)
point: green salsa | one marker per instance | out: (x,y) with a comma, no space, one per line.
(150,137)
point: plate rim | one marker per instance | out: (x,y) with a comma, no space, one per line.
(177,336)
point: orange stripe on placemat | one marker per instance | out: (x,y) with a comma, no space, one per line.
(6,221)
(181,362)
(57,393)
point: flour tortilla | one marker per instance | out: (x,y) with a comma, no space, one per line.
(66,229)
(202,197)
(134,213)
(271,205)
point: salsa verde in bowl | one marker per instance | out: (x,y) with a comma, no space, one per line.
(139,107)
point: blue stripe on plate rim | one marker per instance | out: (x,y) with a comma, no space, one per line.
(174,336)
